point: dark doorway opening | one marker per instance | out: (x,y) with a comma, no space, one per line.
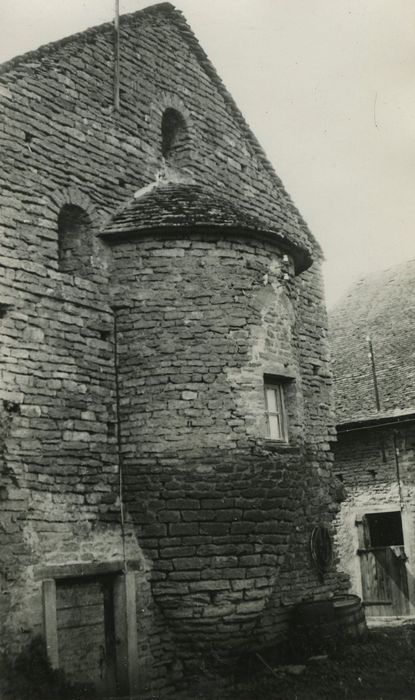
(385,529)
(385,590)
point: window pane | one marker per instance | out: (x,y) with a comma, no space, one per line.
(272,401)
(274,427)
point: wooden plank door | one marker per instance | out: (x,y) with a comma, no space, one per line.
(384,582)
(384,576)
(85,629)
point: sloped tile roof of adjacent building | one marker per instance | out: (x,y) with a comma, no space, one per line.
(382,307)
(276,205)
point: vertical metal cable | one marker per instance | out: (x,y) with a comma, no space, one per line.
(119,439)
(398,469)
(117,56)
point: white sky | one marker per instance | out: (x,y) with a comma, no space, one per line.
(328,87)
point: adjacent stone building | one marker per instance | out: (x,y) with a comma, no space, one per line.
(373,341)
(165,379)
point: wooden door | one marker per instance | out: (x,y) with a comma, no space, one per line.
(384,575)
(86,637)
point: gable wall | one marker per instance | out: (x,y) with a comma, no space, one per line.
(63,103)
(62,143)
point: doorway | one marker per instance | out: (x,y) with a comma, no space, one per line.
(90,625)
(86,631)
(383,564)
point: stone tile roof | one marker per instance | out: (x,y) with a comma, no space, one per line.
(381,306)
(395,417)
(300,233)
(167,206)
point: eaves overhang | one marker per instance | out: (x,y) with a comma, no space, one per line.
(380,420)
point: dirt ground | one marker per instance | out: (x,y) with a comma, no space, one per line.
(380,666)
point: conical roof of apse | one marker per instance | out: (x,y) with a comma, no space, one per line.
(172,207)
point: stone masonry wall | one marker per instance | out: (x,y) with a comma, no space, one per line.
(365,461)
(224,513)
(59,470)
(58,105)
(62,144)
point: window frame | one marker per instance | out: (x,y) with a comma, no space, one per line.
(277,386)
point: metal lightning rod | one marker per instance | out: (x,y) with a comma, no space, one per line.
(117,57)
(375,379)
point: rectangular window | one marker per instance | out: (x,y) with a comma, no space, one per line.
(275,411)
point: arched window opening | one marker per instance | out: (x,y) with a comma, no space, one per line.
(175,136)
(75,241)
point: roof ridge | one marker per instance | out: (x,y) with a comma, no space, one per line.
(48,48)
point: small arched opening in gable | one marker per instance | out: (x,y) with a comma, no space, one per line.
(175,137)
(74,240)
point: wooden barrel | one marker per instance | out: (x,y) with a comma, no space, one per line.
(313,612)
(323,623)
(350,615)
